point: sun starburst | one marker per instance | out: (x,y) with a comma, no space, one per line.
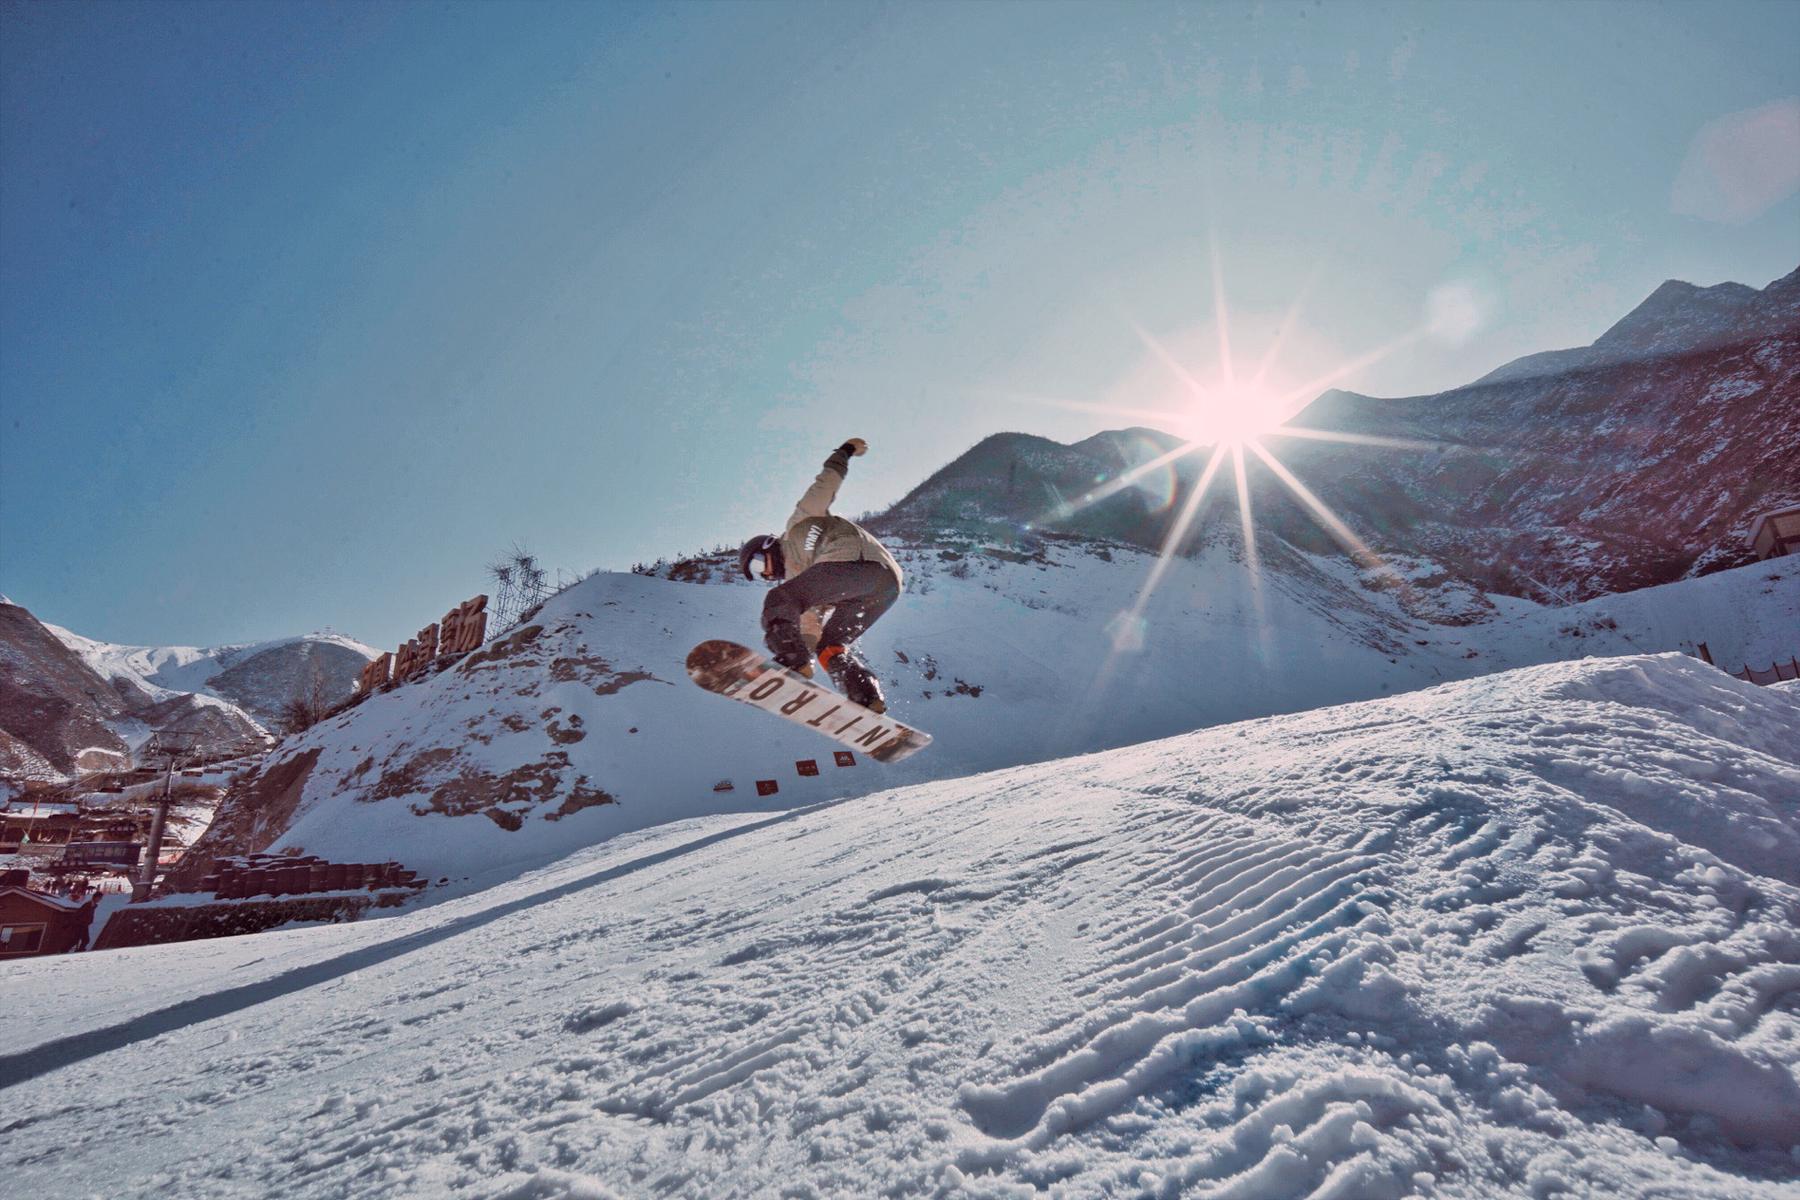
(1231,417)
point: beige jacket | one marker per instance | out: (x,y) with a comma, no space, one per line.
(815,536)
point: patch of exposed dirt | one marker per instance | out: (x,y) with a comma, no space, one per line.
(597,673)
(508,799)
(501,650)
(255,811)
(467,795)
(691,570)
(580,797)
(566,734)
(411,777)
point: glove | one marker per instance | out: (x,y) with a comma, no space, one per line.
(853,447)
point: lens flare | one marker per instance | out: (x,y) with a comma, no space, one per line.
(1235,413)
(1231,420)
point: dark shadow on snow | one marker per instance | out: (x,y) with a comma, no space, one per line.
(27,1065)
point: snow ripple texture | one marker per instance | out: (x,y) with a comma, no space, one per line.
(1531,935)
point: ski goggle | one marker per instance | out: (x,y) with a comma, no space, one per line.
(761,557)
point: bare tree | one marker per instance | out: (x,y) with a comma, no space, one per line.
(307,706)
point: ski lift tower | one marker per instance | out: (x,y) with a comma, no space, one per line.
(169,747)
(1563,597)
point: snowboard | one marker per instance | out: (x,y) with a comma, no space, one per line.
(754,678)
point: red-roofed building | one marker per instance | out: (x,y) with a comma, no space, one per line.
(37,923)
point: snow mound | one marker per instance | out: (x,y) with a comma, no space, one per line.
(582,725)
(1522,935)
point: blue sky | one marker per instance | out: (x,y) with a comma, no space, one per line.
(308,310)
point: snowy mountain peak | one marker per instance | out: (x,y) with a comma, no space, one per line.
(258,676)
(70,704)
(60,716)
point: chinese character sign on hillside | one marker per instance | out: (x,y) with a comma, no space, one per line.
(375,675)
(463,627)
(413,657)
(462,630)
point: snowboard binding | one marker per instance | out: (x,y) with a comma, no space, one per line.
(852,678)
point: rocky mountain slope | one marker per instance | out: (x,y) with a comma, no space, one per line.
(69,704)
(1646,464)
(1676,318)
(57,713)
(1635,461)
(258,677)
(1012,486)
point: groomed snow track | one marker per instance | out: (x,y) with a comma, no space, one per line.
(1527,935)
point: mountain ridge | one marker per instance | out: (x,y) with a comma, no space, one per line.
(258,677)
(71,704)
(1643,463)
(1676,316)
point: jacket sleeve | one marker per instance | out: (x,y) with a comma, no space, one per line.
(817,500)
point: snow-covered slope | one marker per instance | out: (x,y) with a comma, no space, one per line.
(583,725)
(1527,935)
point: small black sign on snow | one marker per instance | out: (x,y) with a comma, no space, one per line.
(845,758)
(767,787)
(807,766)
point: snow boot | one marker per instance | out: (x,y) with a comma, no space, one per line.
(852,678)
(788,648)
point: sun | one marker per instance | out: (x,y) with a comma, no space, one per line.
(1226,421)
(1234,413)
(1229,421)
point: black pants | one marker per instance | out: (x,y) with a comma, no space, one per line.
(859,592)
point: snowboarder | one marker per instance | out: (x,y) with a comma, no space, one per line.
(826,562)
